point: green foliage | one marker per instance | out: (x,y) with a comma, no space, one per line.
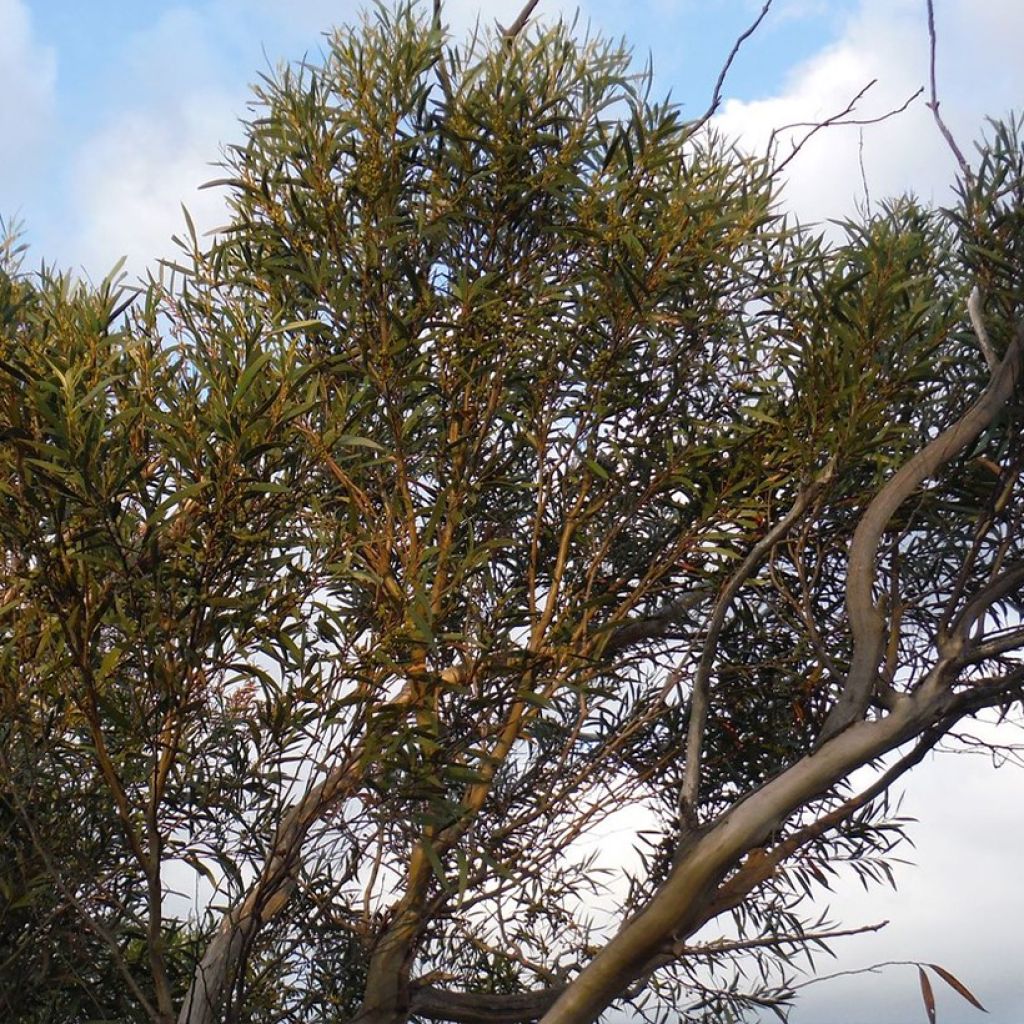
(364,523)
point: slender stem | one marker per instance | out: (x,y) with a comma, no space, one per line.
(933,105)
(700,699)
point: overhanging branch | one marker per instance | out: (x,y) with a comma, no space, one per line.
(866,621)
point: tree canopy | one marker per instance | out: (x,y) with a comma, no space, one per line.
(509,458)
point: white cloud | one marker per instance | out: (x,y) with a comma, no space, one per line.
(28,75)
(132,177)
(887,40)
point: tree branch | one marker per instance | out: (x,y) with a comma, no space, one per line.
(865,615)
(716,96)
(933,105)
(1005,583)
(702,680)
(994,647)
(770,941)
(266,898)
(519,24)
(432,1003)
(838,120)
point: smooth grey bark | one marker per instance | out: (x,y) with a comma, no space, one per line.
(266,898)
(866,619)
(677,908)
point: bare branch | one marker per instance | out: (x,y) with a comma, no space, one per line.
(990,691)
(716,96)
(519,24)
(838,120)
(702,679)
(863,172)
(711,949)
(933,104)
(993,647)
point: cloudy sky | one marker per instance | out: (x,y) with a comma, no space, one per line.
(111,115)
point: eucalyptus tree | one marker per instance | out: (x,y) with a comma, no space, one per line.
(507,461)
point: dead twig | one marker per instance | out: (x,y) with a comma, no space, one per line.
(519,24)
(716,96)
(933,103)
(838,120)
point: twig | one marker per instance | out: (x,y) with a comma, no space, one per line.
(839,120)
(873,969)
(678,950)
(863,173)
(716,96)
(933,104)
(769,941)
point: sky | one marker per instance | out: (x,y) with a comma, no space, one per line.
(112,113)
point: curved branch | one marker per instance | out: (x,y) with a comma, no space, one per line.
(266,898)
(702,680)
(1003,585)
(866,620)
(839,120)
